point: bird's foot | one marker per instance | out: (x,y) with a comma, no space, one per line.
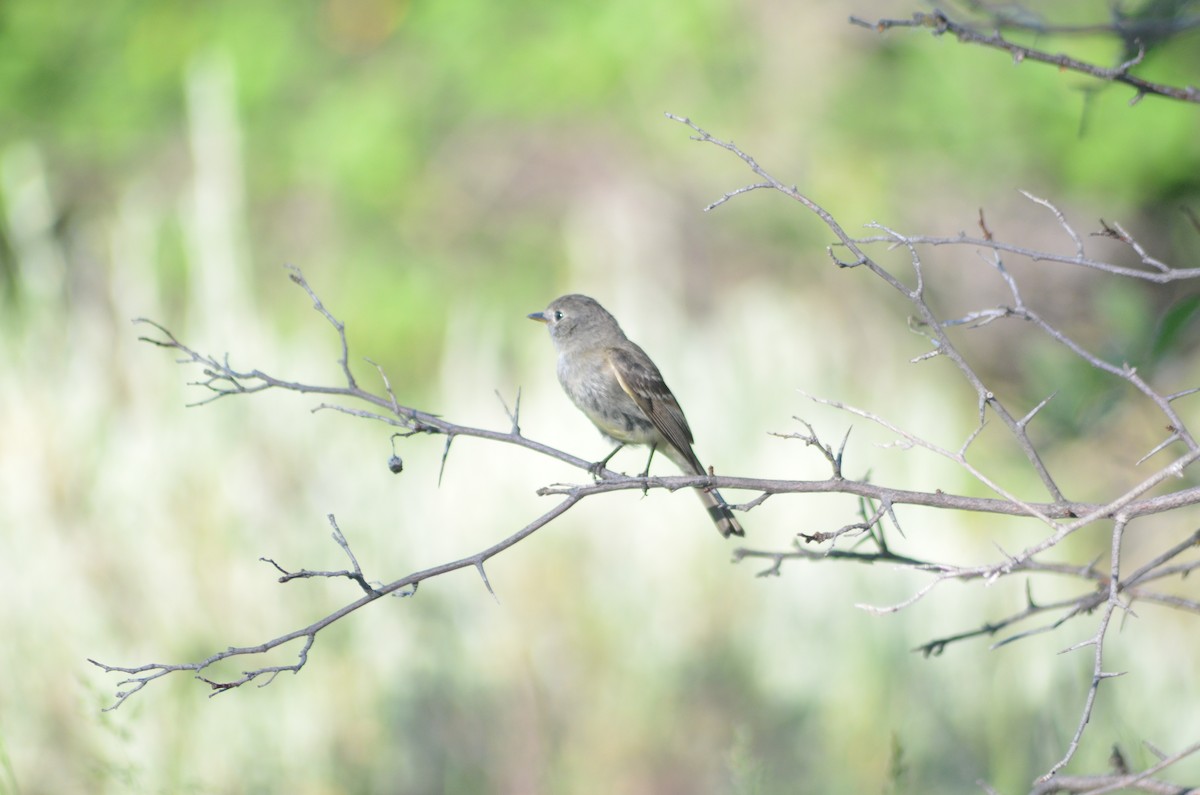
(645,486)
(597,469)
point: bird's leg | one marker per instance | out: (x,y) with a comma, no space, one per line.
(646,473)
(599,466)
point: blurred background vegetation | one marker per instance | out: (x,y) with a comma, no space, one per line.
(438,170)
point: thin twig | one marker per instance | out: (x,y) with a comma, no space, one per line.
(137,677)
(939,24)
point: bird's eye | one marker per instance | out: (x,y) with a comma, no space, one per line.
(558,315)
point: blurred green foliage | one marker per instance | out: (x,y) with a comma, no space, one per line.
(353,108)
(405,139)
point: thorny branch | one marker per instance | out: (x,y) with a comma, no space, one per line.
(137,677)
(864,540)
(1109,591)
(1121,779)
(939,24)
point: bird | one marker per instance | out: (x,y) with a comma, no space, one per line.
(618,387)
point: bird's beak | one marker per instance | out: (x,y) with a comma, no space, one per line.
(539,317)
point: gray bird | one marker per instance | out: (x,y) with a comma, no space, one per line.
(612,380)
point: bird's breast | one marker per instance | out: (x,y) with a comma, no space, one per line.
(598,394)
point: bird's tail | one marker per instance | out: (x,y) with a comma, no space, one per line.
(722,515)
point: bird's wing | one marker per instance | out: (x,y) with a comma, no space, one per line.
(642,381)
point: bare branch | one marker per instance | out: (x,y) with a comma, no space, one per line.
(801,553)
(1097,643)
(810,440)
(140,676)
(737,192)
(1034,255)
(1121,509)
(939,24)
(1062,221)
(514,414)
(296,276)
(354,574)
(1117,232)
(1122,779)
